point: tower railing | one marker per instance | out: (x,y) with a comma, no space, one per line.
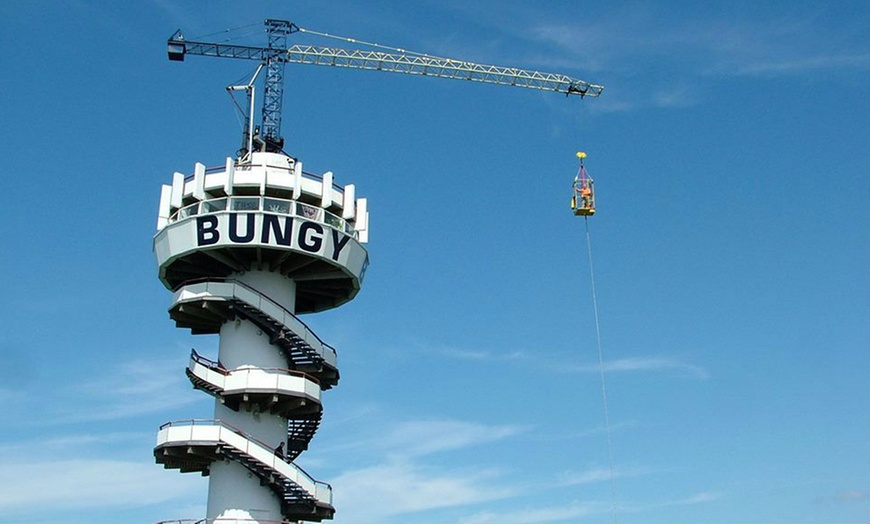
(281,206)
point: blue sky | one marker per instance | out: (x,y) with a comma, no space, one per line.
(731,153)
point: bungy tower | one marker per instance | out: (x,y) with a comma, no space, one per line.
(245,249)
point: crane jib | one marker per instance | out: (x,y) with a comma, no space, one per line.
(422,65)
(277,53)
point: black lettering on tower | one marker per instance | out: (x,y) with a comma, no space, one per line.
(311,237)
(234,228)
(338,244)
(271,224)
(206,230)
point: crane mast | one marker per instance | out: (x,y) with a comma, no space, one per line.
(277,53)
(273,92)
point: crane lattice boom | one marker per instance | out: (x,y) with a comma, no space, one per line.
(399,63)
(277,54)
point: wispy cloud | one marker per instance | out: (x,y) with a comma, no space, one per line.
(75,484)
(131,390)
(400,462)
(572,511)
(638,41)
(420,438)
(702,497)
(789,65)
(852,496)
(482,355)
(402,474)
(61,446)
(699,498)
(668,61)
(562,513)
(586,477)
(598,475)
(623,365)
(411,488)
(641,364)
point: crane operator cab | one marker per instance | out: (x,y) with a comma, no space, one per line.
(582,195)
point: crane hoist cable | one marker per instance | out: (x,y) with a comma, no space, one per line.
(601,374)
(583,204)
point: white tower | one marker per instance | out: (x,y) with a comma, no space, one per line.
(245,248)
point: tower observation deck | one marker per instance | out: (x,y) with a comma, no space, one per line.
(245,248)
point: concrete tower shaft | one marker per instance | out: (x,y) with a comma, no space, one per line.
(244,248)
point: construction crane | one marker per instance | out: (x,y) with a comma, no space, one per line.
(276,54)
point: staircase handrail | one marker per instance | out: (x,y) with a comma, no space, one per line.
(237,431)
(217,366)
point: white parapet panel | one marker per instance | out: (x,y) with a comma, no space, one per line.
(264,163)
(362,220)
(164,210)
(280,178)
(349,204)
(326,190)
(199,181)
(297,180)
(230,172)
(252,176)
(246,295)
(177,190)
(238,441)
(255,380)
(267,307)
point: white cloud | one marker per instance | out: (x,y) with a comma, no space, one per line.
(400,487)
(700,498)
(633,364)
(131,390)
(394,476)
(572,511)
(420,438)
(639,364)
(681,94)
(558,513)
(628,42)
(665,61)
(60,446)
(76,484)
(800,64)
(854,495)
(590,476)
